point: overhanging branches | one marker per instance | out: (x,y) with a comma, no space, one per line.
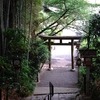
(53,23)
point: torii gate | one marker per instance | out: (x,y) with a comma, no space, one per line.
(61,38)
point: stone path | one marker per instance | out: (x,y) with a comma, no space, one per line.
(60,76)
(63,80)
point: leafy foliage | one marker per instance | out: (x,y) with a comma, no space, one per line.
(16,41)
(39,53)
(6,73)
(27,79)
(82,70)
(92,30)
(60,15)
(21,81)
(93,40)
(96,90)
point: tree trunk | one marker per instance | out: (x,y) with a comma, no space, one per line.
(1,29)
(6,13)
(24,15)
(1,36)
(30,24)
(12,15)
(19,14)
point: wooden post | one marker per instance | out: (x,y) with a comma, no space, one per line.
(38,77)
(72,55)
(87,80)
(49,45)
(0,94)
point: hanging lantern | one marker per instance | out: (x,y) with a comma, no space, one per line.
(17,63)
(78,62)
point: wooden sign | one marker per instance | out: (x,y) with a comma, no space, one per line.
(87,62)
(87,53)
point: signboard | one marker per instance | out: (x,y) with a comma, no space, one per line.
(87,62)
(87,53)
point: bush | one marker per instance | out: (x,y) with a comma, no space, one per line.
(21,82)
(92,40)
(38,54)
(27,79)
(16,42)
(16,82)
(96,91)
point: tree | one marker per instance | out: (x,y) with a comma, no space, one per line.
(60,14)
(91,40)
(1,41)
(1,27)
(28,15)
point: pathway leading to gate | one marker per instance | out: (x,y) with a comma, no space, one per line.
(60,76)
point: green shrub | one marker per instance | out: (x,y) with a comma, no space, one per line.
(27,79)
(96,90)
(16,42)
(6,72)
(21,82)
(91,40)
(82,75)
(82,70)
(38,54)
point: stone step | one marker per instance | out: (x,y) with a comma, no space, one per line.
(54,97)
(57,90)
(60,93)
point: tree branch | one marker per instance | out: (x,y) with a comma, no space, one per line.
(63,27)
(52,23)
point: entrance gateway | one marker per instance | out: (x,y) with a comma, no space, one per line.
(49,40)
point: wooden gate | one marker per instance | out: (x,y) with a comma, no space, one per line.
(73,39)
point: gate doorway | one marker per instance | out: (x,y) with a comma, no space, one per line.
(61,40)
(61,56)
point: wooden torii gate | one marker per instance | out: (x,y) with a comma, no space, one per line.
(61,38)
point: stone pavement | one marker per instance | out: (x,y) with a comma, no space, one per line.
(60,76)
(57,90)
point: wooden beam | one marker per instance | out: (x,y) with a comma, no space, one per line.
(60,37)
(60,41)
(69,43)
